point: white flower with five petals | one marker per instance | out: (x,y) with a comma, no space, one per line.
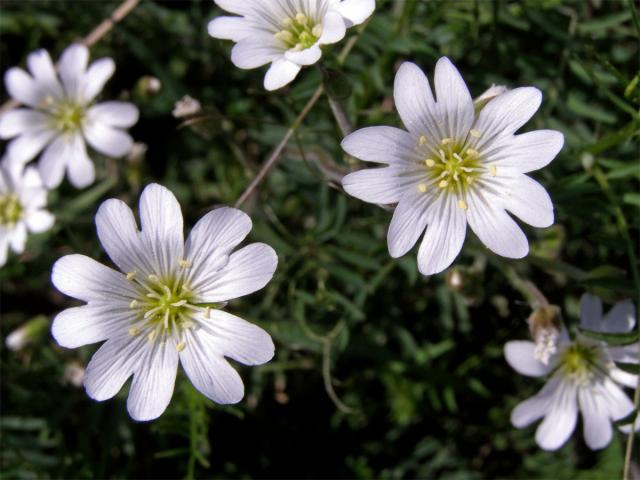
(286,33)
(23,199)
(583,378)
(166,307)
(453,167)
(61,116)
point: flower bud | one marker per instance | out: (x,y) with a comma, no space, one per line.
(544,324)
(488,95)
(27,333)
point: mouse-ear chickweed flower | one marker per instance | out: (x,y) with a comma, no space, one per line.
(583,377)
(453,167)
(286,33)
(23,199)
(61,115)
(166,305)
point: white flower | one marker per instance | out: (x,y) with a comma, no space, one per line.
(167,304)
(453,167)
(286,33)
(22,207)
(62,115)
(583,377)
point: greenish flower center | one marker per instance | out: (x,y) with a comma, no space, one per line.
(581,361)
(67,115)
(299,32)
(10,210)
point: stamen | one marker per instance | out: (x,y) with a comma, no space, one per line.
(422,140)
(463,205)
(446,141)
(152,312)
(302,19)
(430,162)
(422,187)
(493,170)
(443,184)
(180,346)
(133,304)
(207,312)
(457,157)
(475,133)
(317,31)
(187,324)
(469,180)
(152,335)
(131,275)
(179,303)
(285,36)
(471,152)
(133,331)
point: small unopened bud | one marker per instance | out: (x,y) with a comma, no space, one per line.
(73,374)
(455,279)
(186,107)
(544,324)
(488,95)
(27,333)
(137,153)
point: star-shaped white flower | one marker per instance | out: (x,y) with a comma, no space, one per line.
(455,166)
(286,33)
(22,207)
(61,116)
(583,378)
(166,306)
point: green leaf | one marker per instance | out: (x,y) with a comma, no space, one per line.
(614,339)
(632,368)
(336,83)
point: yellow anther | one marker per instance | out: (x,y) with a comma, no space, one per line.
(302,19)
(287,22)
(472,152)
(463,205)
(493,170)
(430,162)
(207,312)
(185,263)
(422,140)
(317,31)
(134,331)
(131,275)
(187,324)
(446,141)
(475,133)
(179,303)
(152,335)
(180,346)
(285,36)
(443,184)
(422,187)
(457,157)
(153,278)
(469,180)
(133,304)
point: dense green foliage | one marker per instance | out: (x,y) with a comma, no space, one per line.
(379,372)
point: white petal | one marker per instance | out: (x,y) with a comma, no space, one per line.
(162,228)
(624,378)
(408,222)
(96,76)
(78,326)
(119,236)
(238,339)
(530,202)
(255,51)
(590,312)
(106,140)
(153,381)
(230,28)
(83,278)
(445,235)
(23,87)
(495,228)
(112,365)
(536,407)
(625,354)
(18,238)
(211,241)
(505,114)
(333,28)
(280,73)
(356,11)
(39,221)
(597,425)
(528,151)
(4,250)
(41,67)
(236,6)
(617,402)
(520,355)
(308,56)
(454,100)
(54,160)
(382,145)
(114,114)
(80,167)
(621,318)
(248,270)
(72,67)
(377,185)
(29,144)
(415,103)
(209,372)
(21,120)
(560,422)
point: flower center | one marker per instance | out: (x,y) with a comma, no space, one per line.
(165,306)
(67,115)
(581,361)
(299,32)
(10,210)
